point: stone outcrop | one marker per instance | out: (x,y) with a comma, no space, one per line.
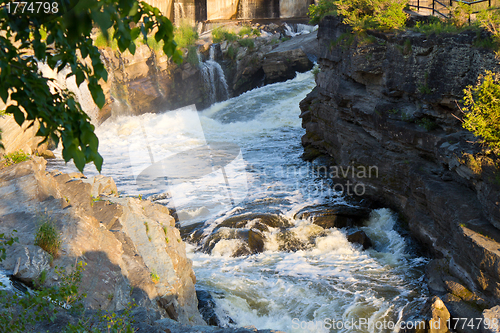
(148,82)
(132,248)
(389,102)
(15,137)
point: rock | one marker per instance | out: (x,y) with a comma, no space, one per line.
(255,241)
(454,287)
(15,137)
(102,186)
(370,110)
(282,66)
(307,43)
(435,271)
(47,154)
(251,219)
(458,308)
(337,216)
(436,316)
(26,262)
(360,237)
(122,240)
(492,317)
(206,305)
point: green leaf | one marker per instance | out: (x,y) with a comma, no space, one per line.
(18,114)
(100,71)
(131,48)
(97,95)
(98,161)
(80,77)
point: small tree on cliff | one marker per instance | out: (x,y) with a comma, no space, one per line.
(58,32)
(363,14)
(482,109)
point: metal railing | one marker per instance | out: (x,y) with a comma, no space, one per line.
(443,7)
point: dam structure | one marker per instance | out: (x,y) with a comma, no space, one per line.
(214,10)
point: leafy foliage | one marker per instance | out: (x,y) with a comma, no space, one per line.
(15,157)
(185,35)
(192,56)
(6,240)
(460,15)
(247,42)
(68,43)
(19,311)
(155,277)
(482,109)
(220,34)
(321,9)
(363,14)
(490,21)
(47,235)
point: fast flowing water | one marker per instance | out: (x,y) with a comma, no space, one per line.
(331,281)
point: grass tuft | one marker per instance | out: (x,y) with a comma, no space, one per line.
(185,35)
(47,235)
(220,34)
(15,157)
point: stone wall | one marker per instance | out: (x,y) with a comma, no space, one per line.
(392,104)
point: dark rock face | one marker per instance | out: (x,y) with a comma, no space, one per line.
(360,237)
(391,105)
(338,216)
(282,66)
(148,83)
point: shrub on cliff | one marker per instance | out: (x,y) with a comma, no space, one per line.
(490,21)
(24,312)
(185,35)
(220,34)
(363,14)
(482,109)
(15,157)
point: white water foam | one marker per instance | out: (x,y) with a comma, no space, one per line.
(334,279)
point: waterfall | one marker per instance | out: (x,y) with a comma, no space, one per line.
(299,29)
(213,78)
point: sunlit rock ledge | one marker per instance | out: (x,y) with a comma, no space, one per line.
(124,241)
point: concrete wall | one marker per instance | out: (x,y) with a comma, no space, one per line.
(201,10)
(221,9)
(165,6)
(294,8)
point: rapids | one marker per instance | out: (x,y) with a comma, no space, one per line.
(302,291)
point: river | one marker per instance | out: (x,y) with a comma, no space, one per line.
(327,280)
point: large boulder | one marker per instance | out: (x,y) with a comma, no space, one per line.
(360,237)
(334,216)
(282,66)
(133,251)
(27,262)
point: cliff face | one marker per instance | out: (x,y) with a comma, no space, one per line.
(148,82)
(390,103)
(125,242)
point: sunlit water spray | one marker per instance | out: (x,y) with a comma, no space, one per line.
(328,279)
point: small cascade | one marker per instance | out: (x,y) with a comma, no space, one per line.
(179,12)
(299,29)
(214,78)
